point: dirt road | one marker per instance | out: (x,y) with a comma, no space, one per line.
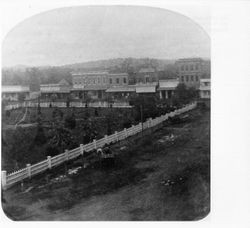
(162,176)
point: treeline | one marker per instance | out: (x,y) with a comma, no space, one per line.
(47,75)
(37,75)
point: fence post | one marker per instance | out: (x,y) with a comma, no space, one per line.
(81,149)
(66,155)
(49,162)
(133,126)
(3,177)
(94,141)
(148,123)
(28,170)
(106,139)
(126,133)
(116,136)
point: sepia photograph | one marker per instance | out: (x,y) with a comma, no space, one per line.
(106,115)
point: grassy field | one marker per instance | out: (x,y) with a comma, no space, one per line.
(164,175)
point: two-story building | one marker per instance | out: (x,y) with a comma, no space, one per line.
(118,79)
(89,84)
(190,71)
(118,86)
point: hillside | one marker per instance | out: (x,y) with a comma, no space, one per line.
(52,74)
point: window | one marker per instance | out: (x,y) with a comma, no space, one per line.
(191,67)
(187,78)
(147,80)
(182,67)
(117,80)
(197,78)
(186,68)
(99,81)
(124,80)
(192,78)
(110,80)
(182,78)
(197,66)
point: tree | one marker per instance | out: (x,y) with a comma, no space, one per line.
(96,112)
(18,143)
(61,137)
(57,114)
(70,121)
(183,95)
(145,106)
(40,137)
(88,130)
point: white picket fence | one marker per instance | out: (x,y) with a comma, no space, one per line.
(32,170)
(77,104)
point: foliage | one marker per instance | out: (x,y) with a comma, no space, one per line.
(61,137)
(57,114)
(70,121)
(40,137)
(96,112)
(88,130)
(51,151)
(184,95)
(145,106)
(19,148)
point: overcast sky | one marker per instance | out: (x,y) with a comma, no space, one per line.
(80,34)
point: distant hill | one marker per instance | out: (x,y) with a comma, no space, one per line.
(120,64)
(25,75)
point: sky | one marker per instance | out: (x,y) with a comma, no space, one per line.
(80,34)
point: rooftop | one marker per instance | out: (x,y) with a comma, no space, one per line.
(88,87)
(89,73)
(145,88)
(168,84)
(147,70)
(14,89)
(190,60)
(130,88)
(60,83)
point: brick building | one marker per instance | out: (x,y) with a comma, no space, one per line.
(190,71)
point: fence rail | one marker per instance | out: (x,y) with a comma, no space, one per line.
(50,162)
(77,104)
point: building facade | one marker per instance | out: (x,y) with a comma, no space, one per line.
(56,91)
(205,87)
(190,71)
(15,93)
(89,85)
(167,87)
(118,79)
(146,76)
